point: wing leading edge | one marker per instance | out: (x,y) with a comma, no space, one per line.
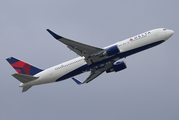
(89,52)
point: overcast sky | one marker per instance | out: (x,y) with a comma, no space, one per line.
(147,90)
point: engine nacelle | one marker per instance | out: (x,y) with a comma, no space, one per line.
(111,51)
(118,66)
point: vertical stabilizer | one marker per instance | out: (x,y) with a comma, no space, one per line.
(22,67)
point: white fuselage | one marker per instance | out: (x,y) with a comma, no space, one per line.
(78,65)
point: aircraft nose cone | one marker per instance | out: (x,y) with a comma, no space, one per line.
(169,33)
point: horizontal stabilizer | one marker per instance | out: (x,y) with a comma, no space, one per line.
(24,78)
(77,81)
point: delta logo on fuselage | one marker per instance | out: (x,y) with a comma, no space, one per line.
(139,36)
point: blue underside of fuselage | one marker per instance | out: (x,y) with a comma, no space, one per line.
(120,55)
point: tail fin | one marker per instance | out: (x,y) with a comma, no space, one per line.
(22,67)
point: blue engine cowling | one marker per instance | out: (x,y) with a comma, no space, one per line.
(118,66)
(111,51)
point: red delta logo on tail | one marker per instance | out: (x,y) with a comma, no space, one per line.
(22,67)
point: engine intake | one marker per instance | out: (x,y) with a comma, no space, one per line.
(118,66)
(111,51)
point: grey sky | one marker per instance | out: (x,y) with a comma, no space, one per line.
(146,90)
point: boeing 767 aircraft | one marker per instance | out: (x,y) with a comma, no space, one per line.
(93,59)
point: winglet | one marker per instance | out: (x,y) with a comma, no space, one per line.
(77,81)
(54,34)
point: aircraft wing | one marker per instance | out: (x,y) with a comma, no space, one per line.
(92,76)
(94,73)
(89,52)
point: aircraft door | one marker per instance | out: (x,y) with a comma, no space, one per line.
(156,33)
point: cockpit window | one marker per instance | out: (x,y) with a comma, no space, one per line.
(164,29)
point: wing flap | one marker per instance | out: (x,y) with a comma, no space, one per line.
(93,76)
(80,48)
(90,78)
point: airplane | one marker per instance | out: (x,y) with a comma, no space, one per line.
(94,59)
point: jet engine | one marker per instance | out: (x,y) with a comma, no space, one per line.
(118,66)
(111,51)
